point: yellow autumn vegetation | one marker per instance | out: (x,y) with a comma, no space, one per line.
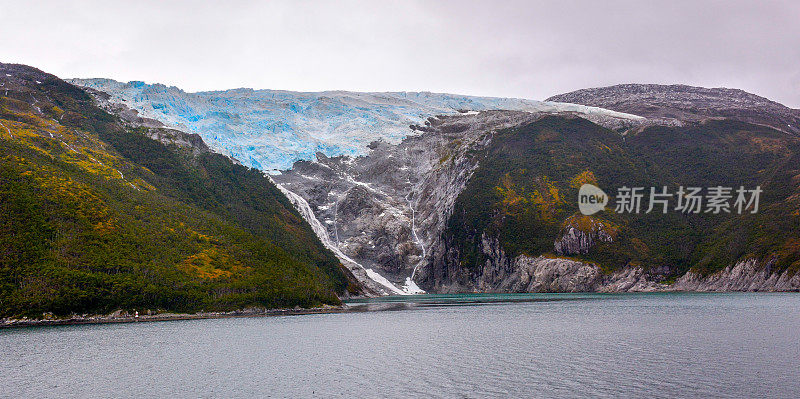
(585,177)
(72,146)
(543,194)
(210,264)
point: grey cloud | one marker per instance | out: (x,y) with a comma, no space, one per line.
(501,48)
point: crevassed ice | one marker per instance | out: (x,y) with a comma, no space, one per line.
(271,129)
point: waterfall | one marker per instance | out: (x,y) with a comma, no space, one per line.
(410,287)
(305,210)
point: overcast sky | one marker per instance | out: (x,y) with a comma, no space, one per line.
(498,48)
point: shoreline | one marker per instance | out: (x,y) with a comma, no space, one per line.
(110,319)
(382,303)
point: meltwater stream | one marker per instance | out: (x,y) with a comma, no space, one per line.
(459,346)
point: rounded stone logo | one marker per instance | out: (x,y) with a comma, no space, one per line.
(591,199)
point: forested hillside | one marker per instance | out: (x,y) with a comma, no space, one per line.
(95,216)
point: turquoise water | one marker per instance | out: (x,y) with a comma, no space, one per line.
(449,346)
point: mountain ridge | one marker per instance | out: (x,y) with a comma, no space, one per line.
(683,103)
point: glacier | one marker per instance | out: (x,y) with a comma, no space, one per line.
(271,129)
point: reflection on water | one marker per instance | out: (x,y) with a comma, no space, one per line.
(405,302)
(462,346)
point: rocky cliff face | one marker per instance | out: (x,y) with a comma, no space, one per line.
(501,273)
(677,104)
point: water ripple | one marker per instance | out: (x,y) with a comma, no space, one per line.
(658,345)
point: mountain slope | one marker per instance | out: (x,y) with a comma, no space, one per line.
(518,214)
(95,215)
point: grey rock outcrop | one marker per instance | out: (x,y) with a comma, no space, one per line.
(543,274)
(632,279)
(746,275)
(576,239)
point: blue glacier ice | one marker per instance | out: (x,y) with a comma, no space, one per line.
(271,129)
